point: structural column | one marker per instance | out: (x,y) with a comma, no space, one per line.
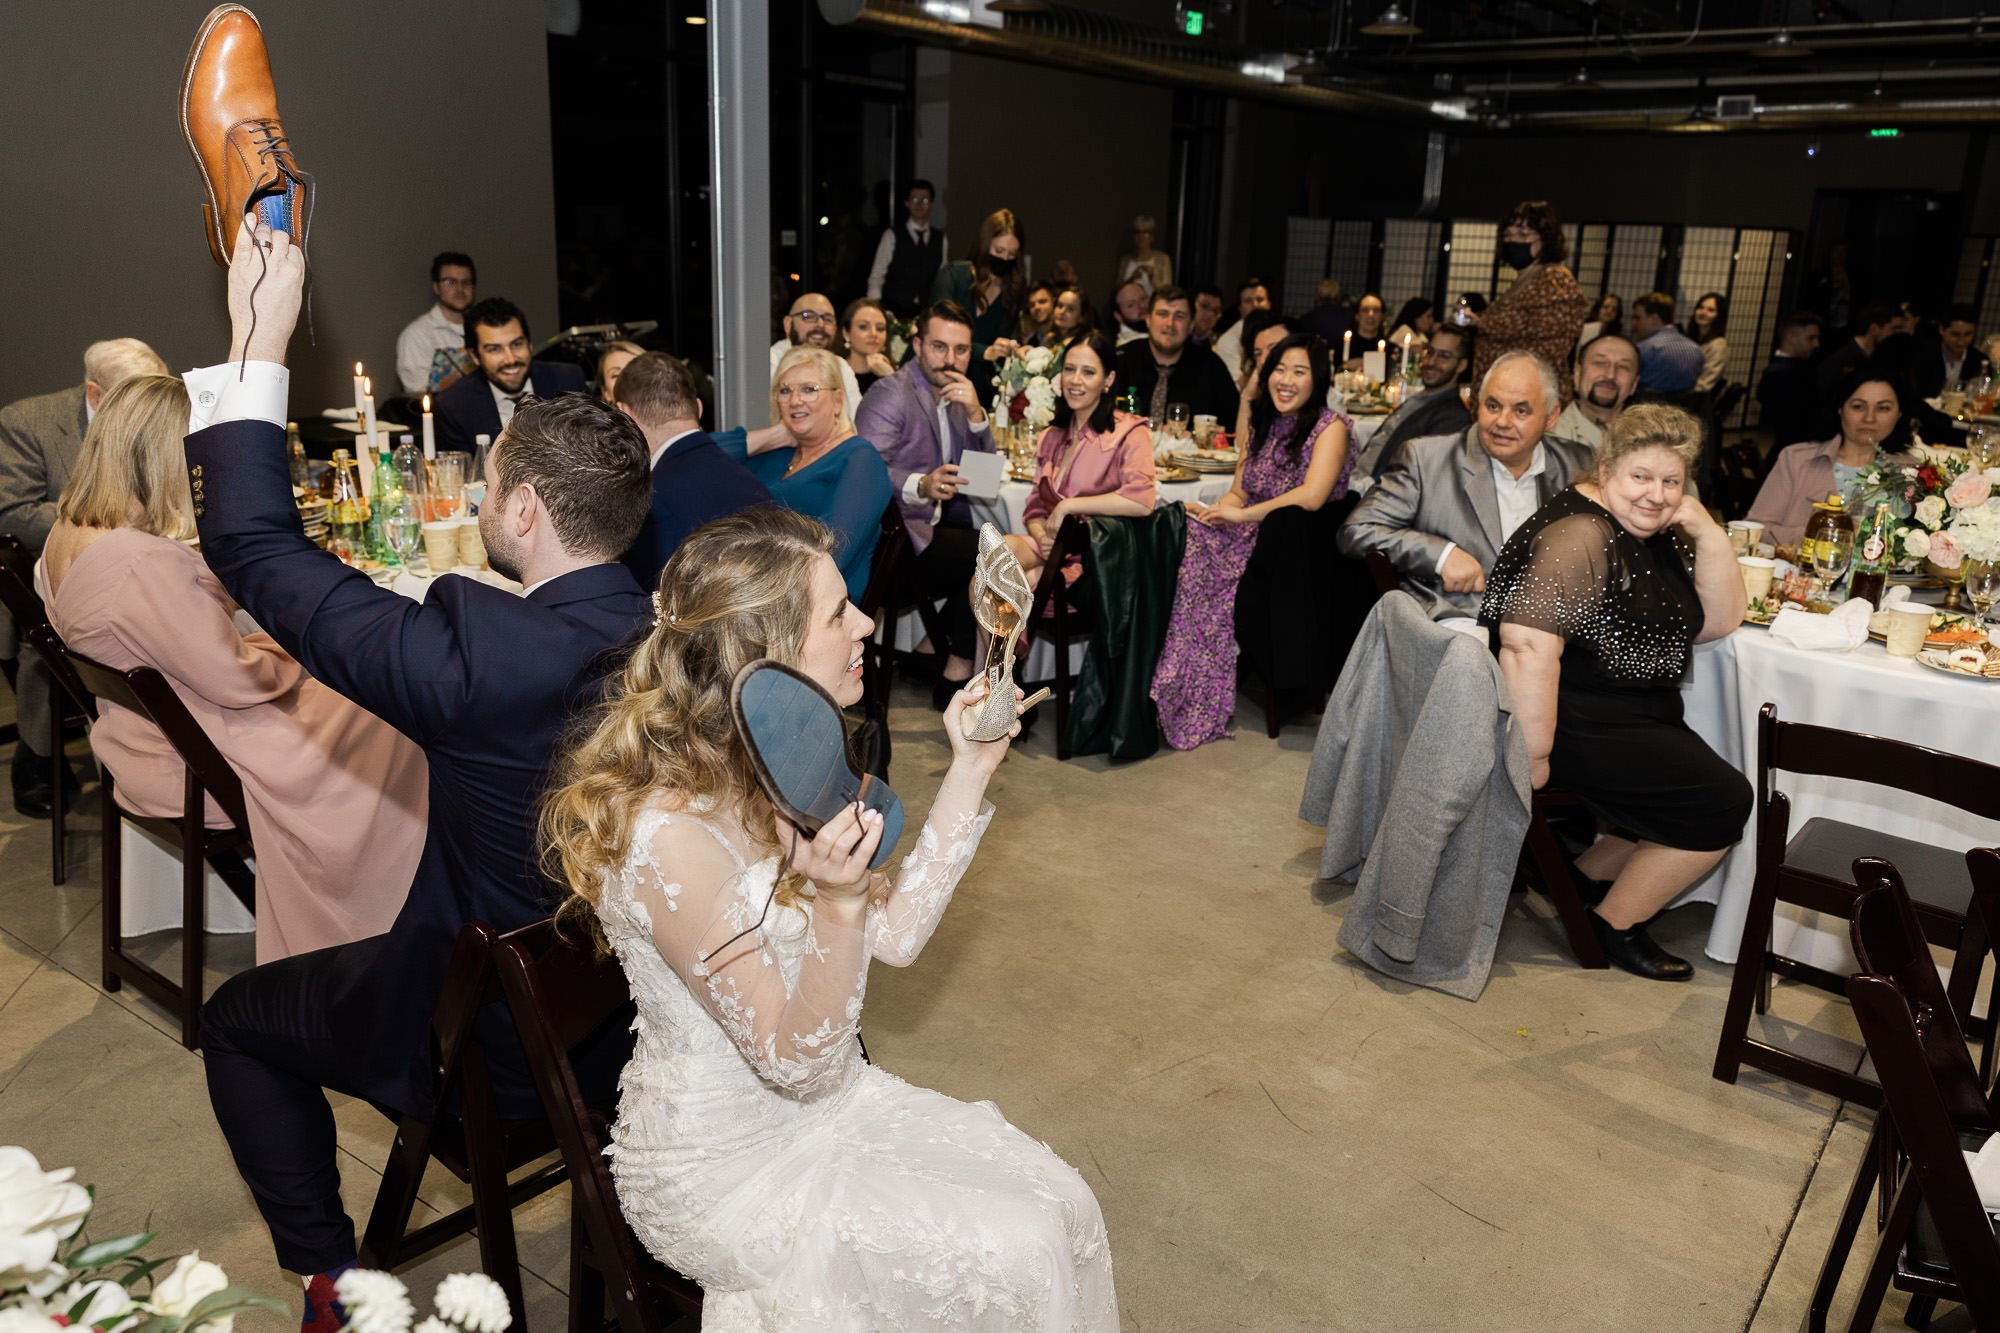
(739,147)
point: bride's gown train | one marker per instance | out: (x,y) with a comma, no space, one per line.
(755,1150)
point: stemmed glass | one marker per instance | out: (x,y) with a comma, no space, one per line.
(1982,585)
(1831,556)
(1982,447)
(402,524)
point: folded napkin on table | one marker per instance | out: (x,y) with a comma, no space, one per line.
(339,413)
(1846,628)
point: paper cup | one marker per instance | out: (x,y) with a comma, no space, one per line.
(1909,626)
(441,544)
(471,549)
(1757,572)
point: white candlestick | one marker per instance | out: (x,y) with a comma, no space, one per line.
(1346,347)
(1406,356)
(359,382)
(430,440)
(368,412)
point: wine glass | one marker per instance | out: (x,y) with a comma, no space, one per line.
(1831,555)
(1982,447)
(1178,417)
(402,525)
(1982,585)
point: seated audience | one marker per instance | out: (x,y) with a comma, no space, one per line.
(693,479)
(1789,388)
(1437,409)
(614,358)
(922,420)
(335,797)
(1543,311)
(496,333)
(1073,317)
(1608,318)
(819,466)
(1093,460)
(1953,360)
(748,1104)
(1669,361)
(1253,294)
(864,329)
(1329,317)
(1038,319)
(1871,420)
(430,351)
(1150,268)
(908,257)
(991,283)
(1594,607)
(1299,454)
(1707,327)
(1607,373)
(1262,332)
(1164,369)
(1370,327)
(1128,304)
(481,678)
(1207,315)
(1416,321)
(40,440)
(810,323)
(1444,506)
(1875,324)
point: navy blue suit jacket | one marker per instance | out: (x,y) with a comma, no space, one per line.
(484,680)
(693,482)
(467,408)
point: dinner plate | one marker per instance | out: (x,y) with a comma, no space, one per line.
(1935,659)
(1176,474)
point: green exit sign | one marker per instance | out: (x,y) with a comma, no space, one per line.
(1193,22)
(1885,132)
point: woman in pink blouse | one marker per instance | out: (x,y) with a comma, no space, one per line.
(336,797)
(1094,460)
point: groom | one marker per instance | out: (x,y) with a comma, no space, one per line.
(484,680)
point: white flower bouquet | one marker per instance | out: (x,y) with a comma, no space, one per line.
(1027,387)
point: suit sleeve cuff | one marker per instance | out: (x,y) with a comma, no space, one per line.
(237,391)
(1444,555)
(910,493)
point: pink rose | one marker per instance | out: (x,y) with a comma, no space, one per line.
(1969,490)
(1944,551)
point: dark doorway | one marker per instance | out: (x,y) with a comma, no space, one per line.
(1901,245)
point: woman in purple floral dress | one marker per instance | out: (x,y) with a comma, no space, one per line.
(1299,453)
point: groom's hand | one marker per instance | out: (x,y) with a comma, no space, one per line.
(267,279)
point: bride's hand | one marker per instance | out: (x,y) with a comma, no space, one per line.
(837,860)
(984,756)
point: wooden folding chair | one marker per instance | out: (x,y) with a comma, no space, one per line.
(887,594)
(1935,1106)
(69,710)
(466,1135)
(1058,619)
(1811,869)
(559,992)
(206,774)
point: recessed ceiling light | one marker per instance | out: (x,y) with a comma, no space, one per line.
(1782,46)
(1393,22)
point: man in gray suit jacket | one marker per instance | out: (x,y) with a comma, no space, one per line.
(40,439)
(1445,505)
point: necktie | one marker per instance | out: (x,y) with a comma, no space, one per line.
(1158,410)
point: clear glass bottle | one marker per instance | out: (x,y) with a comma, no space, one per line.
(295,451)
(347,516)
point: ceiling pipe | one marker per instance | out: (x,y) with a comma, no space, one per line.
(1660,83)
(1568,46)
(1775,116)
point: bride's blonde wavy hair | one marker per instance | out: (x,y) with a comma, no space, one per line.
(739,589)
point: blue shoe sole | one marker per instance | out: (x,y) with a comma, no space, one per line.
(798,748)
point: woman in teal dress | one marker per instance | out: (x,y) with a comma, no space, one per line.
(990,285)
(819,466)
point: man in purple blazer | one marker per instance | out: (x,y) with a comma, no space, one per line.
(922,420)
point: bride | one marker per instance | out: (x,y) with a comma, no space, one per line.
(755,1150)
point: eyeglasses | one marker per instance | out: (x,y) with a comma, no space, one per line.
(456,282)
(813,316)
(805,393)
(1439,354)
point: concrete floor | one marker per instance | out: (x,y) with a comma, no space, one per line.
(1136,971)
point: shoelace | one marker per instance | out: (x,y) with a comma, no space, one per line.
(275,152)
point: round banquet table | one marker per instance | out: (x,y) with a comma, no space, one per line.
(1862,690)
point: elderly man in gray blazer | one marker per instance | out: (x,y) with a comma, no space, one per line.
(1445,505)
(40,439)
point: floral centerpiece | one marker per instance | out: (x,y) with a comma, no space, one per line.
(1954,513)
(1027,388)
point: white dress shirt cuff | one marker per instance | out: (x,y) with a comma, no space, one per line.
(1445,555)
(237,391)
(911,494)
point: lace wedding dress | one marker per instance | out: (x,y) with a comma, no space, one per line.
(756,1152)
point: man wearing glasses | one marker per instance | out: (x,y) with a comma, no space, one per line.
(1436,410)
(430,351)
(810,323)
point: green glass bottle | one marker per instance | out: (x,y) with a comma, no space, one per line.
(388,487)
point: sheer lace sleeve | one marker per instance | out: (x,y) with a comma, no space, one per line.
(688,883)
(898,931)
(1559,583)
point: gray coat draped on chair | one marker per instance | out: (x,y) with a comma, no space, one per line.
(1420,777)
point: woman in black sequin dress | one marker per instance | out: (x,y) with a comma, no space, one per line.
(1594,607)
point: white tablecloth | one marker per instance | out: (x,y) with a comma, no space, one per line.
(1863,690)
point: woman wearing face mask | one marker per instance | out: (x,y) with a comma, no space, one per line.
(1706,325)
(991,283)
(1871,420)
(1544,310)
(1093,460)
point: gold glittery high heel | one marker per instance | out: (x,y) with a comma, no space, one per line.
(1000,601)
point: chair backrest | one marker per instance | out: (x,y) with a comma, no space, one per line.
(559,991)
(885,569)
(1382,573)
(1912,1099)
(147,693)
(17,586)
(1072,543)
(1799,747)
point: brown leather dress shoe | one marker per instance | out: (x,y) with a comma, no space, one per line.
(229,117)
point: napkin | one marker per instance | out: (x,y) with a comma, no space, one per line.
(339,413)
(1845,629)
(1985,1168)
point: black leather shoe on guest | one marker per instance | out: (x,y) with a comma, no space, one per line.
(798,749)
(1635,951)
(33,796)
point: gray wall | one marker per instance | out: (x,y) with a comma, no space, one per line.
(426,126)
